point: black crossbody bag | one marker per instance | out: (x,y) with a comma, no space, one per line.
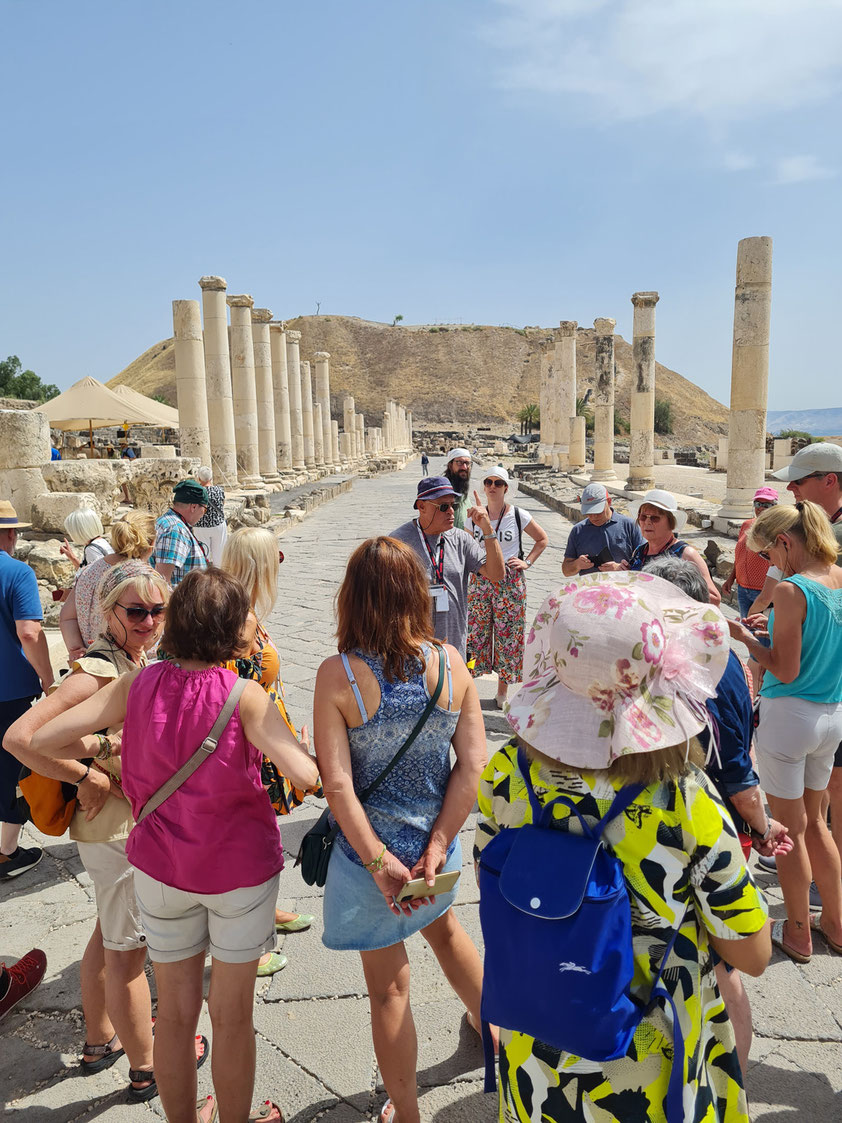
(317,843)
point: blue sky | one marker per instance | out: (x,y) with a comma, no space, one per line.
(505,161)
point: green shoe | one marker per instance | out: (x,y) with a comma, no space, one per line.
(301,923)
(276,962)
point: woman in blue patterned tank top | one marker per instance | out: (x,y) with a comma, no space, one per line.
(368,700)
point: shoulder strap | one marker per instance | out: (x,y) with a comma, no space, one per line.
(204,750)
(353,681)
(419,725)
(519,532)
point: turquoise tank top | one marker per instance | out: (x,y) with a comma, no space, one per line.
(820,676)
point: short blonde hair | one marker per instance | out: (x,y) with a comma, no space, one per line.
(83,525)
(805,521)
(133,535)
(251,555)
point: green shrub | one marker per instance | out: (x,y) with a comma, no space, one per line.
(663,416)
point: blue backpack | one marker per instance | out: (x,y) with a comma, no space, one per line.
(556,922)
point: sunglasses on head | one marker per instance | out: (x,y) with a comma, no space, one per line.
(492,481)
(138,612)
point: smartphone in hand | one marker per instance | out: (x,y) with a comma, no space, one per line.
(418,887)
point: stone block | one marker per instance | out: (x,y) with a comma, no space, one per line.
(150,482)
(24,439)
(162,452)
(21,487)
(49,565)
(103,478)
(51,509)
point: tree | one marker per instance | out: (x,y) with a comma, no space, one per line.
(529,418)
(583,411)
(18,383)
(397,319)
(798,434)
(663,416)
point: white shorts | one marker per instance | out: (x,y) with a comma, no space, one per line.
(237,926)
(796,744)
(116,903)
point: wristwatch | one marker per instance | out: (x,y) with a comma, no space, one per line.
(528,563)
(485,537)
(756,836)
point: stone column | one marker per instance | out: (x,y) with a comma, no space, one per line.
(334,442)
(280,393)
(190,385)
(243,386)
(296,420)
(603,457)
(218,382)
(565,364)
(307,414)
(349,425)
(409,428)
(359,419)
(549,414)
(24,451)
(387,431)
(322,362)
(318,435)
(545,437)
(266,451)
(578,444)
(749,377)
(642,443)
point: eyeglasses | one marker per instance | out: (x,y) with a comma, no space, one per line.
(138,612)
(764,554)
(649,518)
(492,482)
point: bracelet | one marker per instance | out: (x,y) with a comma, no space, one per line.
(105,750)
(485,537)
(77,783)
(376,864)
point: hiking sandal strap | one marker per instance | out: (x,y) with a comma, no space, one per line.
(99,1050)
(141,1076)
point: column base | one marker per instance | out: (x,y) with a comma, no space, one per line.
(640,483)
(736,511)
(251,482)
(603,474)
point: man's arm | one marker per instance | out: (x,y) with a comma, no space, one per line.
(34,645)
(165,569)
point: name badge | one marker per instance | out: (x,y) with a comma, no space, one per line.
(440,597)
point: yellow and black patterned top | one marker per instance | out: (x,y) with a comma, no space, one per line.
(678,847)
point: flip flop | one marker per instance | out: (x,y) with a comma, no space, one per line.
(778,941)
(214,1109)
(387,1115)
(266,1113)
(106,1055)
(816,925)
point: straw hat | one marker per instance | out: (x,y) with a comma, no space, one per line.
(617,663)
(9,517)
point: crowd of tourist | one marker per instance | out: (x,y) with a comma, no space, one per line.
(636,739)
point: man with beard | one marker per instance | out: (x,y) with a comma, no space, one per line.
(458,475)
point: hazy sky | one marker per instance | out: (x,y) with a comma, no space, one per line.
(492,161)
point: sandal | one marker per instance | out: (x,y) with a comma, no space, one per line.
(200,1107)
(106,1055)
(778,941)
(147,1076)
(267,1114)
(816,925)
(387,1115)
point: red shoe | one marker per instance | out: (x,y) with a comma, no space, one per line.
(22,979)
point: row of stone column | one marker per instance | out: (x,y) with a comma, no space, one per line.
(246,399)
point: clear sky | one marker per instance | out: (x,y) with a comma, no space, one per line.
(491,161)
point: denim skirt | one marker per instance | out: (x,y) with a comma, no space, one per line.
(356,916)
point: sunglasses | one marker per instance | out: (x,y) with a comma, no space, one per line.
(812,476)
(764,504)
(649,518)
(446,507)
(493,482)
(138,612)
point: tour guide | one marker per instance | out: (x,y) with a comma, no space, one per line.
(449,555)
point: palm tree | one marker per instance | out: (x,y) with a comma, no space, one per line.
(529,418)
(582,410)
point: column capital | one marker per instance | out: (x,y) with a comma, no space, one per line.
(261,315)
(277,325)
(215,284)
(603,325)
(243,300)
(321,356)
(644,299)
(293,337)
(567,327)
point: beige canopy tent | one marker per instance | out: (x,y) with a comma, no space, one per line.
(90,405)
(164,415)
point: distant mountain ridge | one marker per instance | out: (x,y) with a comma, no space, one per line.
(818,422)
(452,374)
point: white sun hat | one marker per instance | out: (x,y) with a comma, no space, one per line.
(665,501)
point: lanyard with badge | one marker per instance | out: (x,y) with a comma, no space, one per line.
(438,590)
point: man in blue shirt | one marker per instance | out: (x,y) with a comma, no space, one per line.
(603,540)
(25,659)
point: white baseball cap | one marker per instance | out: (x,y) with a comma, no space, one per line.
(820,457)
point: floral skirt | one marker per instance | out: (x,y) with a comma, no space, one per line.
(496,615)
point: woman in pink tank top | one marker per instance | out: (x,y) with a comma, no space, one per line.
(190,903)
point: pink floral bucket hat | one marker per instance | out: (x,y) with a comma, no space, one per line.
(617,663)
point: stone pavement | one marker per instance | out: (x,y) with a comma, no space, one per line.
(315,1056)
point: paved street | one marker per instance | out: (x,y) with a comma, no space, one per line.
(314,1046)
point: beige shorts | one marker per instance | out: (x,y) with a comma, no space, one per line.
(116,903)
(796,744)
(237,926)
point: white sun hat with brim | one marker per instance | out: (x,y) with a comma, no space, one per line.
(666,501)
(617,663)
(498,472)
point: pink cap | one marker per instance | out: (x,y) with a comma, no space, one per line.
(768,494)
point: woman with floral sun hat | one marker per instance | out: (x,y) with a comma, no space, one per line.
(617,671)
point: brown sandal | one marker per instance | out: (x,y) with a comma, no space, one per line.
(106,1056)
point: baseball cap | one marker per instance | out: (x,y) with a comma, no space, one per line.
(766,495)
(594,498)
(821,457)
(434,487)
(189,491)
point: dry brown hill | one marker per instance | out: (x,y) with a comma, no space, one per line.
(449,374)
